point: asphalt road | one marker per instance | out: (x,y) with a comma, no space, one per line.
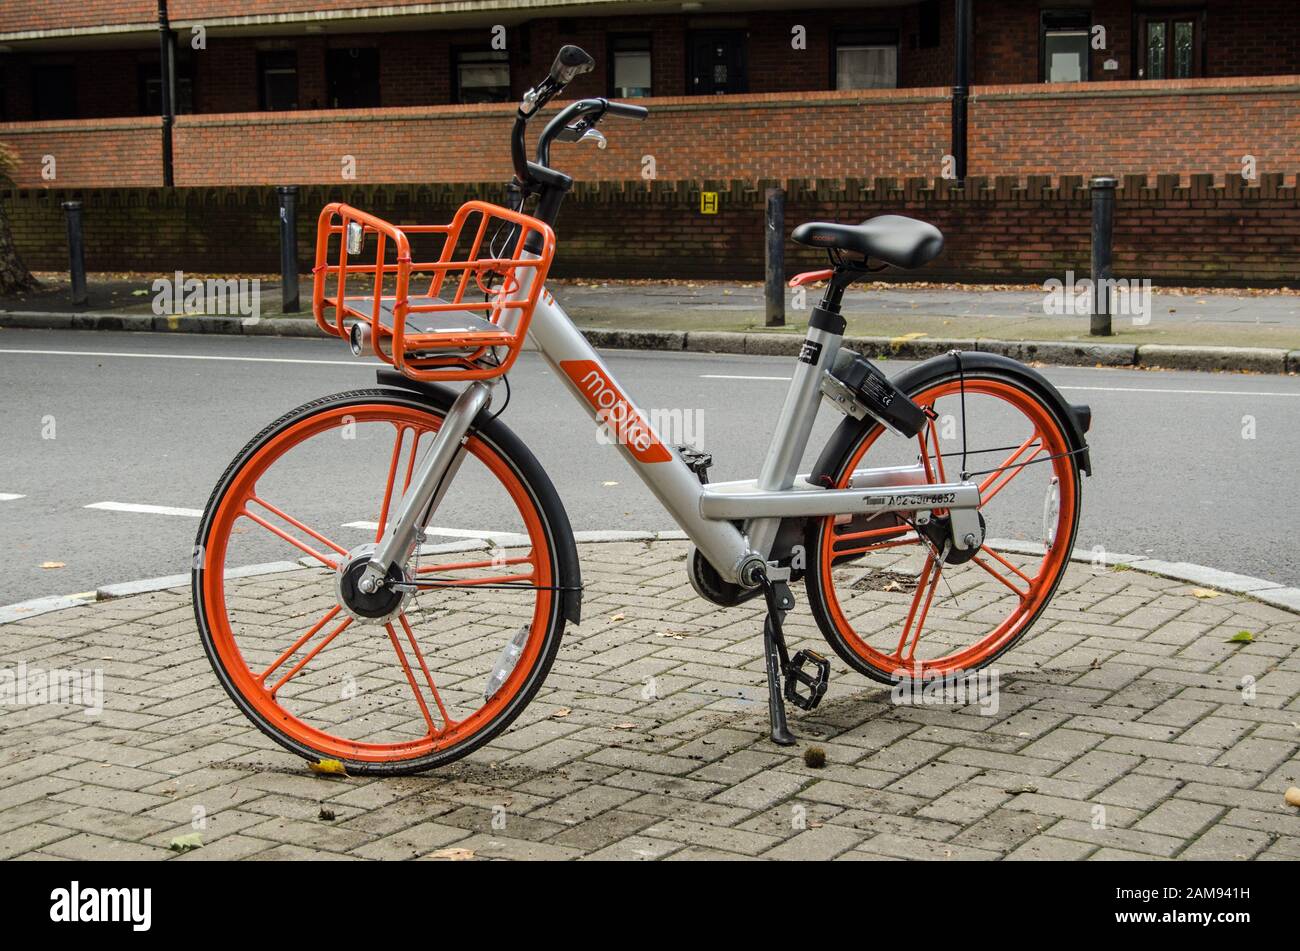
(153,419)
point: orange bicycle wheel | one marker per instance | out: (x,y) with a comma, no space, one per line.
(888,598)
(449,666)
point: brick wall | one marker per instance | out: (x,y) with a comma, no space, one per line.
(894,131)
(1004,230)
(24,15)
(86,153)
(1136,127)
(1139,126)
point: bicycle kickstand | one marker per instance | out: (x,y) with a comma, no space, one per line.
(779,601)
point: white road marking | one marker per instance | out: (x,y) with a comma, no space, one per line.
(736,376)
(1093,389)
(146,509)
(436,532)
(10,497)
(1154,389)
(193,356)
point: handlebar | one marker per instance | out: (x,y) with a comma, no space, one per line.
(583,114)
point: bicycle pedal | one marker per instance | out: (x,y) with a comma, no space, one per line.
(816,683)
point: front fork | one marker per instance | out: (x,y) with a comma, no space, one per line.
(428,486)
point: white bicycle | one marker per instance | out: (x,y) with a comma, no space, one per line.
(414,642)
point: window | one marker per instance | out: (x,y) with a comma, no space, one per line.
(482,76)
(927,36)
(149,82)
(717,63)
(352,78)
(1170,45)
(54,92)
(277,80)
(630,67)
(1065,45)
(866,60)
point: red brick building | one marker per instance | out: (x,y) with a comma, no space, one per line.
(405,107)
(273,91)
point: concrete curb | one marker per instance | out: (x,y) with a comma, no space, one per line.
(1269,592)
(772,343)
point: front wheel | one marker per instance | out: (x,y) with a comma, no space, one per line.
(422,678)
(885,594)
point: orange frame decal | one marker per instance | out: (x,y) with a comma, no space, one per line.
(615,410)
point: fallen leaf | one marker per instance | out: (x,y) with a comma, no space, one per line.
(53,564)
(183,843)
(1242,637)
(1204,593)
(675,635)
(327,814)
(328,767)
(616,617)
(625,726)
(562,712)
(453,855)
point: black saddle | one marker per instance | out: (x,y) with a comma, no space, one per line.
(894,239)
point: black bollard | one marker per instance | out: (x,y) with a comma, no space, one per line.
(76,252)
(1103,233)
(774,258)
(288,248)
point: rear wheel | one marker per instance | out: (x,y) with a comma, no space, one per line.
(888,598)
(419,679)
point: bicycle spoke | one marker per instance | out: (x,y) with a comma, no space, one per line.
(931,435)
(281,533)
(415,649)
(347,621)
(398,442)
(410,678)
(468,565)
(922,585)
(293,649)
(1022,595)
(1028,580)
(1011,460)
(888,539)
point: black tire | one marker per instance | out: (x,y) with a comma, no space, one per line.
(560,542)
(851,434)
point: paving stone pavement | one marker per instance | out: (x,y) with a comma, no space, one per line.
(1126,726)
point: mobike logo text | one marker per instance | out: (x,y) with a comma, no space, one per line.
(615,411)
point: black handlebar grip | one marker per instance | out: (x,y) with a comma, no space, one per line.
(627,110)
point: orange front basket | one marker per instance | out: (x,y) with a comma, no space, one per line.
(468,322)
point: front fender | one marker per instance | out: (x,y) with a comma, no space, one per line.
(1075,420)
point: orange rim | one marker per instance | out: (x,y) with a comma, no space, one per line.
(1032,585)
(259,688)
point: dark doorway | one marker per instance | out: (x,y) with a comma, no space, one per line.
(717,63)
(352,77)
(54,92)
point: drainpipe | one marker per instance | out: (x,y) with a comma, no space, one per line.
(961,86)
(166,48)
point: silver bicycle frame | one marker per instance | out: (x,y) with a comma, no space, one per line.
(730,523)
